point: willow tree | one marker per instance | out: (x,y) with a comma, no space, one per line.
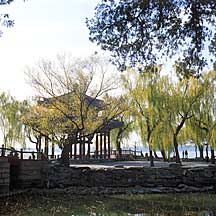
(179,106)
(123,133)
(162,135)
(203,121)
(145,100)
(196,128)
(75,99)
(11,126)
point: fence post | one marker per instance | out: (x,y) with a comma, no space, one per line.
(3,151)
(21,154)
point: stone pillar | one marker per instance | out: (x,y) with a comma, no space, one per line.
(108,140)
(4,175)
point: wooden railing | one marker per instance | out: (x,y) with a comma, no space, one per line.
(21,154)
(33,155)
(132,152)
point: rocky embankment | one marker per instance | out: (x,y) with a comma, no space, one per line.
(132,180)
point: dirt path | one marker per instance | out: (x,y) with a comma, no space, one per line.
(119,164)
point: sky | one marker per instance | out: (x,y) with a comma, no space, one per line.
(42,29)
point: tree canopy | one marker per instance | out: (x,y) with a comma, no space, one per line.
(145,101)
(149,31)
(167,113)
(5,19)
(11,127)
(75,99)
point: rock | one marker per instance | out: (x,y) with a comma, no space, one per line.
(119,166)
(135,180)
(156,190)
(212,165)
(175,165)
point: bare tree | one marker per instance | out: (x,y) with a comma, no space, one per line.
(73,98)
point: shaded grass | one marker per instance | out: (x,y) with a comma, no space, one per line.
(150,204)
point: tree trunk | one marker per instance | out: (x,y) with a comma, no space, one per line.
(119,152)
(175,142)
(155,154)
(150,147)
(163,153)
(151,158)
(212,156)
(38,143)
(118,143)
(207,157)
(201,151)
(168,155)
(65,154)
(151,155)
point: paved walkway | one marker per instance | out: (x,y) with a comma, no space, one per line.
(119,164)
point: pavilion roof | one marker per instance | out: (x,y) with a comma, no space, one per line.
(114,123)
(88,99)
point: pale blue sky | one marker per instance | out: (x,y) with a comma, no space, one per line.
(42,29)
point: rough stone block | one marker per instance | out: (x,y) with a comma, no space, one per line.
(3,159)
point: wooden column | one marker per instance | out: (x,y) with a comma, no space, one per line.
(80,148)
(39,142)
(108,140)
(38,147)
(96,150)
(3,151)
(83,147)
(105,148)
(89,148)
(53,148)
(70,150)
(46,147)
(75,150)
(21,154)
(101,145)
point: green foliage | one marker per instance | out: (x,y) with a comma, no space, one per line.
(4,18)
(144,100)
(166,113)
(75,97)
(145,32)
(204,123)
(118,135)
(4,2)
(11,111)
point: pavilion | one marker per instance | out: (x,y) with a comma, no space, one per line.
(80,147)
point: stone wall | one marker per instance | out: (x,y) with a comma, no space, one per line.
(4,175)
(29,173)
(58,176)
(200,176)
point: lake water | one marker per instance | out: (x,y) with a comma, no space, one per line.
(116,205)
(191,149)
